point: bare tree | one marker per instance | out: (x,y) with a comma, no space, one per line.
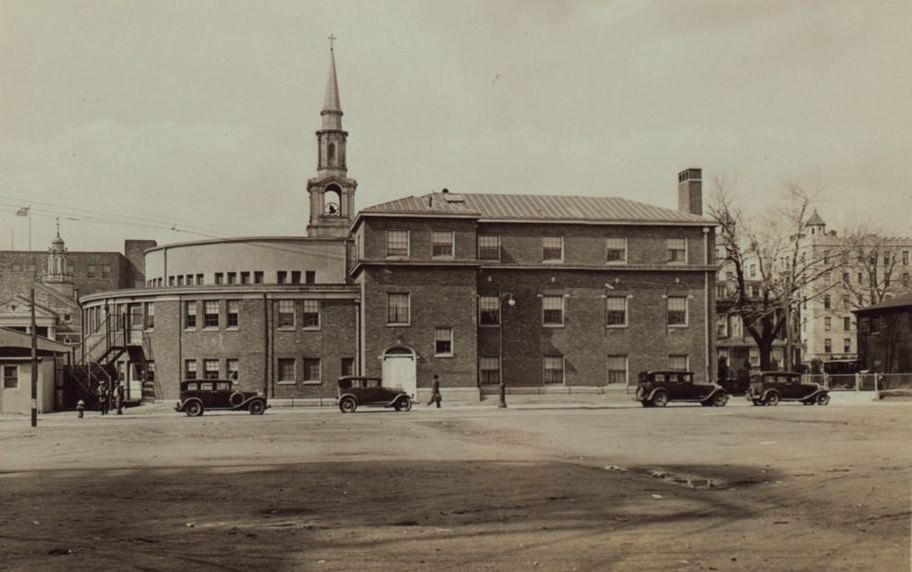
(773,246)
(872,266)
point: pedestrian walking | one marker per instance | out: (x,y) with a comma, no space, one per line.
(102,393)
(119,397)
(435,392)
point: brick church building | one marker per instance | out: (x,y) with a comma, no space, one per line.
(537,291)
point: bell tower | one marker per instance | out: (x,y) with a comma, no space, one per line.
(59,275)
(332,193)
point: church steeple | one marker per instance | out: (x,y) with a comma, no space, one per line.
(332,193)
(59,275)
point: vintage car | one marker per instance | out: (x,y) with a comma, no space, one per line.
(771,387)
(354,391)
(198,395)
(656,388)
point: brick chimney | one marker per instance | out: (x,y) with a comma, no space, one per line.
(690,191)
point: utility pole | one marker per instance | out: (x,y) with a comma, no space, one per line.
(34,364)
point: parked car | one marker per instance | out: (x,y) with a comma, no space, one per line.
(771,387)
(656,388)
(354,391)
(199,395)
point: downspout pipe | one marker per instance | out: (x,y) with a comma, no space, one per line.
(709,305)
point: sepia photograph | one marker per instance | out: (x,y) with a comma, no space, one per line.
(402,285)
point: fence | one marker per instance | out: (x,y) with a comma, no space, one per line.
(863,381)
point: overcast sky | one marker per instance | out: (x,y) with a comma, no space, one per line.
(201,114)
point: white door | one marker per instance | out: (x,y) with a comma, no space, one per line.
(399,371)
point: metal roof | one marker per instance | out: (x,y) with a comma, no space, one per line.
(896,302)
(534,207)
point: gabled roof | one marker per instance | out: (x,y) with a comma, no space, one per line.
(815,220)
(565,208)
(19,305)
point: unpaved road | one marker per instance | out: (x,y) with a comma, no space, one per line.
(684,488)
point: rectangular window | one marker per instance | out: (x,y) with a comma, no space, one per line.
(310,277)
(11,377)
(397,308)
(488,247)
(616,311)
(617,369)
(310,315)
(489,366)
(295,276)
(232,365)
(847,324)
(199,280)
(443,341)
(190,369)
(489,311)
(553,369)
(905,257)
(616,250)
(150,316)
(190,314)
(826,302)
(189,279)
(311,370)
(211,314)
(180,280)
(233,313)
(286,370)
(722,326)
(827,345)
(847,345)
(677,310)
(219,278)
(552,310)
(245,277)
(679,362)
(442,244)
(106,270)
(281,277)
(286,314)
(827,324)
(905,279)
(677,250)
(90,272)
(258,277)
(552,249)
(347,367)
(397,243)
(210,369)
(232,278)
(753,357)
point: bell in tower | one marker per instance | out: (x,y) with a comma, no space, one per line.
(332,193)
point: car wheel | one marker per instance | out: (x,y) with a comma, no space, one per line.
(403,404)
(772,398)
(720,399)
(193,409)
(256,407)
(823,399)
(236,399)
(348,405)
(660,399)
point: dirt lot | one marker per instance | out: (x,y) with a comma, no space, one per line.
(684,488)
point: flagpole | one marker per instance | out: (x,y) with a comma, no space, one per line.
(30,227)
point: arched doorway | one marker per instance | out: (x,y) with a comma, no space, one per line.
(399,369)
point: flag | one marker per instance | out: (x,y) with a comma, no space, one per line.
(24,211)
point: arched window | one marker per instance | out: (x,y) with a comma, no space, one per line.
(331,152)
(332,200)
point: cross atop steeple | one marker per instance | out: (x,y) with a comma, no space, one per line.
(58,225)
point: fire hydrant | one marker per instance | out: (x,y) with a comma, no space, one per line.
(80,407)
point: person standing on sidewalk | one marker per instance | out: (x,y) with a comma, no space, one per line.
(435,392)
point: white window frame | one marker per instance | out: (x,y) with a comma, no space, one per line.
(319,379)
(229,313)
(496,238)
(563,370)
(188,369)
(206,370)
(439,339)
(626,310)
(294,371)
(610,247)
(4,378)
(562,311)
(674,245)
(408,243)
(280,313)
(218,318)
(235,372)
(668,311)
(481,369)
(678,356)
(545,248)
(190,309)
(608,369)
(408,309)
(304,313)
(451,242)
(495,300)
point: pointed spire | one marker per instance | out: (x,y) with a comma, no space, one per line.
(331,100)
